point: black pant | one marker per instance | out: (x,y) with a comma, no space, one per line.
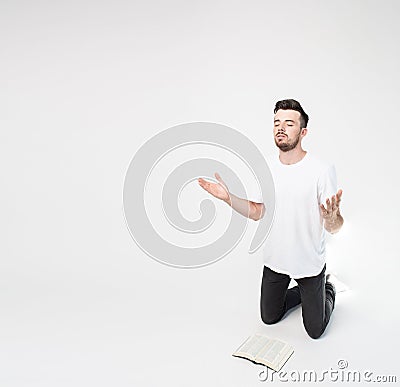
(317,299)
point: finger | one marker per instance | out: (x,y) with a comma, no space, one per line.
(339,196)
(219,178)
(338,199)
(201,181)
(204,184)
(323,207)
(328,205)
(333,201)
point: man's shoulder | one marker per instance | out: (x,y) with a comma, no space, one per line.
(319,163)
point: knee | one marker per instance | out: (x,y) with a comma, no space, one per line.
(268,318)
(314,333)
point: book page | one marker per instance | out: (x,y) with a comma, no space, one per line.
(275,355)
(252,346)
(284,356)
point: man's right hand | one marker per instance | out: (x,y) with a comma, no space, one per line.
(219,190)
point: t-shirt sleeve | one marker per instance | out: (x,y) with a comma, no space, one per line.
(254,195)
(327,184)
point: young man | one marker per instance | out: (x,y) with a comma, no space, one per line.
(306,207)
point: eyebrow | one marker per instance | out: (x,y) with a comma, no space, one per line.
(285,120)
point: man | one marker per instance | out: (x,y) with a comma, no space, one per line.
(306,207)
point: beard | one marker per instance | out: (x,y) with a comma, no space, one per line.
(289,144)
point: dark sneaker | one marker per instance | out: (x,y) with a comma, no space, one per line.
(330,287)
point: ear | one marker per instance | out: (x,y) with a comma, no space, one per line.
(304,131)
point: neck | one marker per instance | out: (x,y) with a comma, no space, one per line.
(293,156)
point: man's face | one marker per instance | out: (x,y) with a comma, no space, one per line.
(287,132)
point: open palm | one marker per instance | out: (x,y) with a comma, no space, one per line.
(219,190)
(332,209)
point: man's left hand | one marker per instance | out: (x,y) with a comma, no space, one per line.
(332,209)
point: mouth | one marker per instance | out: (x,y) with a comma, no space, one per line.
(281,136)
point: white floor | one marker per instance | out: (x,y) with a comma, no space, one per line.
(157,325)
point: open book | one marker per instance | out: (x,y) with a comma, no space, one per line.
(261,349)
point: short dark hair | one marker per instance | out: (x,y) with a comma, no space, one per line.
(292,104)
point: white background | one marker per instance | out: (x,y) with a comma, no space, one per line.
(83,84)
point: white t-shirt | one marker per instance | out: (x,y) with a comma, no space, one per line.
(296,242)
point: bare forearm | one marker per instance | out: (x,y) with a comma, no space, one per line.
(246,208)
(334,225)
